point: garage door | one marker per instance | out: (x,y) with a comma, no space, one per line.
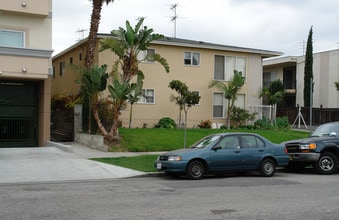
(18,114)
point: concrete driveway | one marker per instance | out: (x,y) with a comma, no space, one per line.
(46,164)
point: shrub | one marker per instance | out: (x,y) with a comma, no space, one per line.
(166,123)
(205,124)
(240,115)
(282,122)
(263,124)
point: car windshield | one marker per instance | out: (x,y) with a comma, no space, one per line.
(207,141)
(326,130)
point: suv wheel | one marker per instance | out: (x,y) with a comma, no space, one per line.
(326,164)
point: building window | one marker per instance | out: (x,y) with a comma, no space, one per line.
(269,77)
(53,74)
(80,57)
(147,96)
(224,67)
(11,38)
(220,104)
(147,55)
(197,92)
(191,59)
(71,60)
(62,68)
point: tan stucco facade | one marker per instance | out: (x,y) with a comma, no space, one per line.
(30,61)
(197,78)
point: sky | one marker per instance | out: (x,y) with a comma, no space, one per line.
(275,25)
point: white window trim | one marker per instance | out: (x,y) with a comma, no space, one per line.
(17,31)
(191,62)
(143,54)
(145,102)
(236,60)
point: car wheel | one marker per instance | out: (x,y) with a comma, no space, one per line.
(267,168)
(326,164)
(195,170)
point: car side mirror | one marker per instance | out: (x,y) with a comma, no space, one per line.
(216,148)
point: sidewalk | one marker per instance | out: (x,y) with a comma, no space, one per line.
(50,164)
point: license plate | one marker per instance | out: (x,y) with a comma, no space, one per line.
(291,157)
(159,166)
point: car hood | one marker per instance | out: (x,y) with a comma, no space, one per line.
(307,140)
(181,151)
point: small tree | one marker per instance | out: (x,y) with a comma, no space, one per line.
(336,84)
(308,71)
(230,91)
(274,93)
(185,99)
(181,88)
(135,96)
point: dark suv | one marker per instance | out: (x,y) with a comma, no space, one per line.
(321,150)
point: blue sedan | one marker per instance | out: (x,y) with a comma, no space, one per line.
(225,152)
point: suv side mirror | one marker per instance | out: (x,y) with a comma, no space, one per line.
(332,134)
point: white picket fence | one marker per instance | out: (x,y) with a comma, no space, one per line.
(263,111)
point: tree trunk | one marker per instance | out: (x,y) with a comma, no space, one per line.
(92,37)
(113,136)
(228,118)
(130,117)
(185,128)
(97,119)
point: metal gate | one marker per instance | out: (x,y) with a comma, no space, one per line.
(18,113)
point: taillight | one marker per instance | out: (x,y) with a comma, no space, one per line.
(285,149)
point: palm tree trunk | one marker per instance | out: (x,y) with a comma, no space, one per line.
(97,119)
(92,37)
(228,119)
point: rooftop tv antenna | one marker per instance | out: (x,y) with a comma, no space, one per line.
(174,18)
(82,31)
(139,18)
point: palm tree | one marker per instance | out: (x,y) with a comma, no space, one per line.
(119,91)
(93,81)
(230,91)
(92,37)
(127,44)
(274,93)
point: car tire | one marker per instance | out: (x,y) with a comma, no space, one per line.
(195,170)
(326,164)
(267,167)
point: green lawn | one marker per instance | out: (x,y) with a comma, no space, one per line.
(148,140)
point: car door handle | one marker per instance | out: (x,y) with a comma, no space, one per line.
(261,150)
(237,151)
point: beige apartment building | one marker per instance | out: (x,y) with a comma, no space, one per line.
(25,67)
(291,71)
(195,63)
